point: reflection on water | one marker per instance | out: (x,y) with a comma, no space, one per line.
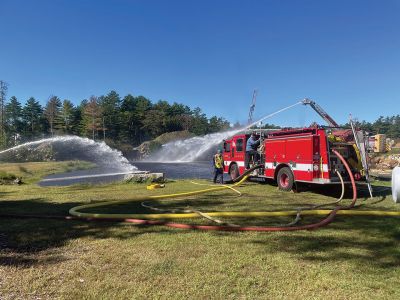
(203,169)
(91,176)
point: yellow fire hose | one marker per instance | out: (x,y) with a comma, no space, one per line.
(159,219)
(76,211)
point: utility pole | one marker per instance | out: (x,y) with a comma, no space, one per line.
(3,93)
(252,106)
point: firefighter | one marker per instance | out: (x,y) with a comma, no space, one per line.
(218,166)
(251,149)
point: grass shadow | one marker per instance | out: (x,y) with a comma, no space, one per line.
(358,240)
(26,242)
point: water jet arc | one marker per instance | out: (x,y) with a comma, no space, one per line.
(72,148)
(201,148)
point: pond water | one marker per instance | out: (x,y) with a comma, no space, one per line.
(184,170)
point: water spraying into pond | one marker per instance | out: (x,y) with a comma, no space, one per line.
(193,149)
(202,147)
(69,148)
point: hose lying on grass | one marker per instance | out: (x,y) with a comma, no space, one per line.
(159,219)
(191,210)
(207,216)
(149,219)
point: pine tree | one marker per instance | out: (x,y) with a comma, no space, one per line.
(93,116)
(80,119)
(14,123)
(200,122)
(154,123)
(179,117)
(110,106)
(31,115)
(3,93)
(130,125)
(67,115)
(217,124)
(143,105)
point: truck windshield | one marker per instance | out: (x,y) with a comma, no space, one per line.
(239,145)
(227,147)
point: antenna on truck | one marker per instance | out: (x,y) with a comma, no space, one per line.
(252,106)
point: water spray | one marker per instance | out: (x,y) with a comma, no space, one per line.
(74,147)
(194,148)
(270,115)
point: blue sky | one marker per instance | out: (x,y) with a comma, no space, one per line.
(345,55)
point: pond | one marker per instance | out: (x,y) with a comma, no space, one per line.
(184,170)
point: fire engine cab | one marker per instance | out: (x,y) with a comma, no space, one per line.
(296,155)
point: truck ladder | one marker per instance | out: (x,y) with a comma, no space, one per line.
(324,115)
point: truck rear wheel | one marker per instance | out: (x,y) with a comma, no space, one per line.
(285,179)
(234,171)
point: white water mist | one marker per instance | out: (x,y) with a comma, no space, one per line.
(191,149)
(74,147)
(201,147)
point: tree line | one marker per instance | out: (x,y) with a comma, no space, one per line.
(128,120)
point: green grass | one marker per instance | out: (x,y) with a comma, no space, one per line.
(6,177)
(33,171)
(352,258)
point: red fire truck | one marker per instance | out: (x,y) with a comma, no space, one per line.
(295,155)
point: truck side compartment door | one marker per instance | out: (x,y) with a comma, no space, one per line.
(300,157)
(275,153)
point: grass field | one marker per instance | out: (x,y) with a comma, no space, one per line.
(352,258)
(31,172)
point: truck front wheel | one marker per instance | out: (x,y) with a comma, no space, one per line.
(285,179)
